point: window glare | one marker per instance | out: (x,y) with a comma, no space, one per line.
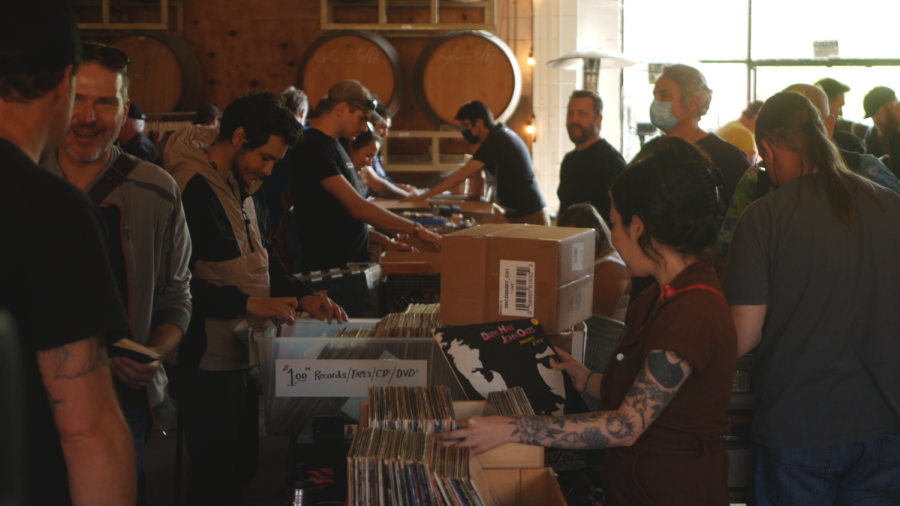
(716,30)
(665,30)
(786,29)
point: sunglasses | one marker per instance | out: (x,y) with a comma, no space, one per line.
(365,104)
(109,56)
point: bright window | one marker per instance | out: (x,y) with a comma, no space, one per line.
(715,32)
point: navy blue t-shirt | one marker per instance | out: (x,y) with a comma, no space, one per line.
(505,155)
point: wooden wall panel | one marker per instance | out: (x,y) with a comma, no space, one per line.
(258,45)
(248,45)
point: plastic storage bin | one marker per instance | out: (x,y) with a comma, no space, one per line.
(289,415)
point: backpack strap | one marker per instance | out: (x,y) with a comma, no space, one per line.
(113,177)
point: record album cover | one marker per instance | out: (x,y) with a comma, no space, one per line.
(491,357)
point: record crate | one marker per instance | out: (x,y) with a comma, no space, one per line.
(310,340)
(401,290)
(509,455)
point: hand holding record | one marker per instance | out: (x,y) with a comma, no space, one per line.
(576,370)
(481,433)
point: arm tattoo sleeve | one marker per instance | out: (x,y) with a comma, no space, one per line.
(585,430)
(650,395)
(666,368)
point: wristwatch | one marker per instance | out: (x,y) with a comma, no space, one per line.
(415,233)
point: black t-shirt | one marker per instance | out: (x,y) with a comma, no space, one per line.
(730,160)
(56,281)
(585,176)
(329,235)
(505,156)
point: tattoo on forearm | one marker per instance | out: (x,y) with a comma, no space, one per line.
(589,438)
(534,429)
(619,426)
(666,368)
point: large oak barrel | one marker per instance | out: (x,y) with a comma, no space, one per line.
(362,56)
(463,66)
(164,74)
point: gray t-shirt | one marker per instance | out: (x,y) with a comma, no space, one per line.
(827,369)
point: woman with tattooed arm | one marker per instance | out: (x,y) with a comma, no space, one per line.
(664,393)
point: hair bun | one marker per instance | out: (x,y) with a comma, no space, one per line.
(711,180)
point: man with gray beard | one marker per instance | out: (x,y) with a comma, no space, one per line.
(588,170)
(149,244)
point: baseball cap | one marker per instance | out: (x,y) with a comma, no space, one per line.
(135,112)
(353,92)
(37,36)
(876,98)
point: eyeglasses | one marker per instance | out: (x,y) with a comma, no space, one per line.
(111,57)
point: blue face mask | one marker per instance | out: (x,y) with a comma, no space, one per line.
(661,115)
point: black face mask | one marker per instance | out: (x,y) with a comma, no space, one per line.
(469,136)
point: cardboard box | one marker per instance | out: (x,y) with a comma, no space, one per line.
(508,271)
(525,487)
(432,258)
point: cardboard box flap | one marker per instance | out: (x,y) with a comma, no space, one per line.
(483,230)
(543,233)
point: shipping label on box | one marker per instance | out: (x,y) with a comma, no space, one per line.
(516,288)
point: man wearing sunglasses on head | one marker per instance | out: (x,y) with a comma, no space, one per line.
(329,204)
(504,157)
(149,244)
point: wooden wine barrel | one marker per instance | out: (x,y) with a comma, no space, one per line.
(463,66)
(164,75)
(362,56)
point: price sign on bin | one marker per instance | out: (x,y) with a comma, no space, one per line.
(345,378)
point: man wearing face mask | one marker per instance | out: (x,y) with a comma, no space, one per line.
(504,156)
(588,170)
(680,98)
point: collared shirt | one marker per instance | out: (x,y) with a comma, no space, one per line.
(697,325)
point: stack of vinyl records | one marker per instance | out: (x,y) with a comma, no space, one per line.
(390,467)
(509,402)
(422,409)
(417,321)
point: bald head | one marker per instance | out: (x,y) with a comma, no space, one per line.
(819,100)
(815,95)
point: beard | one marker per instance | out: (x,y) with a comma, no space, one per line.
(578,134)
(241,172)
(87,142)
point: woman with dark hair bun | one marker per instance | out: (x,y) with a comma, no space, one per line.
(664,394)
